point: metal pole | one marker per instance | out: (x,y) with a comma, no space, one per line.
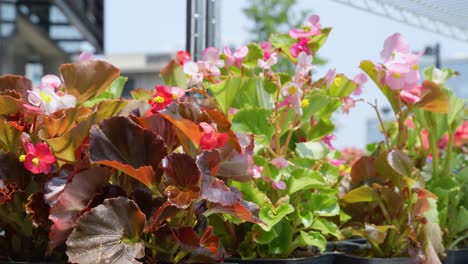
(202,26)
(437,55)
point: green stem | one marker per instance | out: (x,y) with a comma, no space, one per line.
(435,155)
(458,240)
(448,157)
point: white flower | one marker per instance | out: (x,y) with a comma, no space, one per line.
(45,97)
(195,75)
(266,64)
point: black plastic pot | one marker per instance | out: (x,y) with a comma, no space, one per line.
(456,256)
(348,259)
(323,259)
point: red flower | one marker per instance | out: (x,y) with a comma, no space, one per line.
(210,138)
(38,158)
(182,57)
(164,95)
(300,46)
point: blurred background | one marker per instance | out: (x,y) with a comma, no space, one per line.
(141,36)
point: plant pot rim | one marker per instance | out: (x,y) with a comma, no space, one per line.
(269,260)
(360,257)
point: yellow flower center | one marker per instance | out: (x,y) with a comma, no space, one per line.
(337,81)
(305,102)
(45,97)
(35,161)
(292,89)
(174,97)
(397,75)
(22,158)
(158,99)
(415,67)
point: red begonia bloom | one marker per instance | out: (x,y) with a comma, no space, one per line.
(164,95)
(182,57)
(210,138)
(39,158)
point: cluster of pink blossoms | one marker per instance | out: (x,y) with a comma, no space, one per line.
(401,65)
(312,28)
(211,63)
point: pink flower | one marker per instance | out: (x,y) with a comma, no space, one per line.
(50,81)
(279,162)
(279,185)
(300,46)
(182,57)
(412,96)
(38,159)
(460,137)
(337,163)
(348,103)
(293,93)
(233,111)
(237,57)
(266,64)
(294,101)
(312,28)
(327,140)
(87,56)
(402,71)
(257,171)
(304,65)
(401,75)
(267,49)
(330,77)
(360,79)
(211,63)
(211,138)
(394,43)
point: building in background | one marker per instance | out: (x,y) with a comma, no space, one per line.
(36,36)
(142,70)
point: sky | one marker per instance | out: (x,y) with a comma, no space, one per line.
(152,26)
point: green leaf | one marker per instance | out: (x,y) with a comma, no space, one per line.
(305,179)
(460,222)
(322,204)
(109,233)
(252,94)
(9,137)
(255,53)
(261,236)
(251,193)
(313,238)
(226,91)
(316,42)
(283,42)
(316,100)
(438,76)
(323,127)
(141,94)
(341,86)
(173,75)
(326,228)
(312,150)
(113,92)
(272,216)
(456,106)
(9,105)
(368,67)
(282,245)
(254,121)
(361,194)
